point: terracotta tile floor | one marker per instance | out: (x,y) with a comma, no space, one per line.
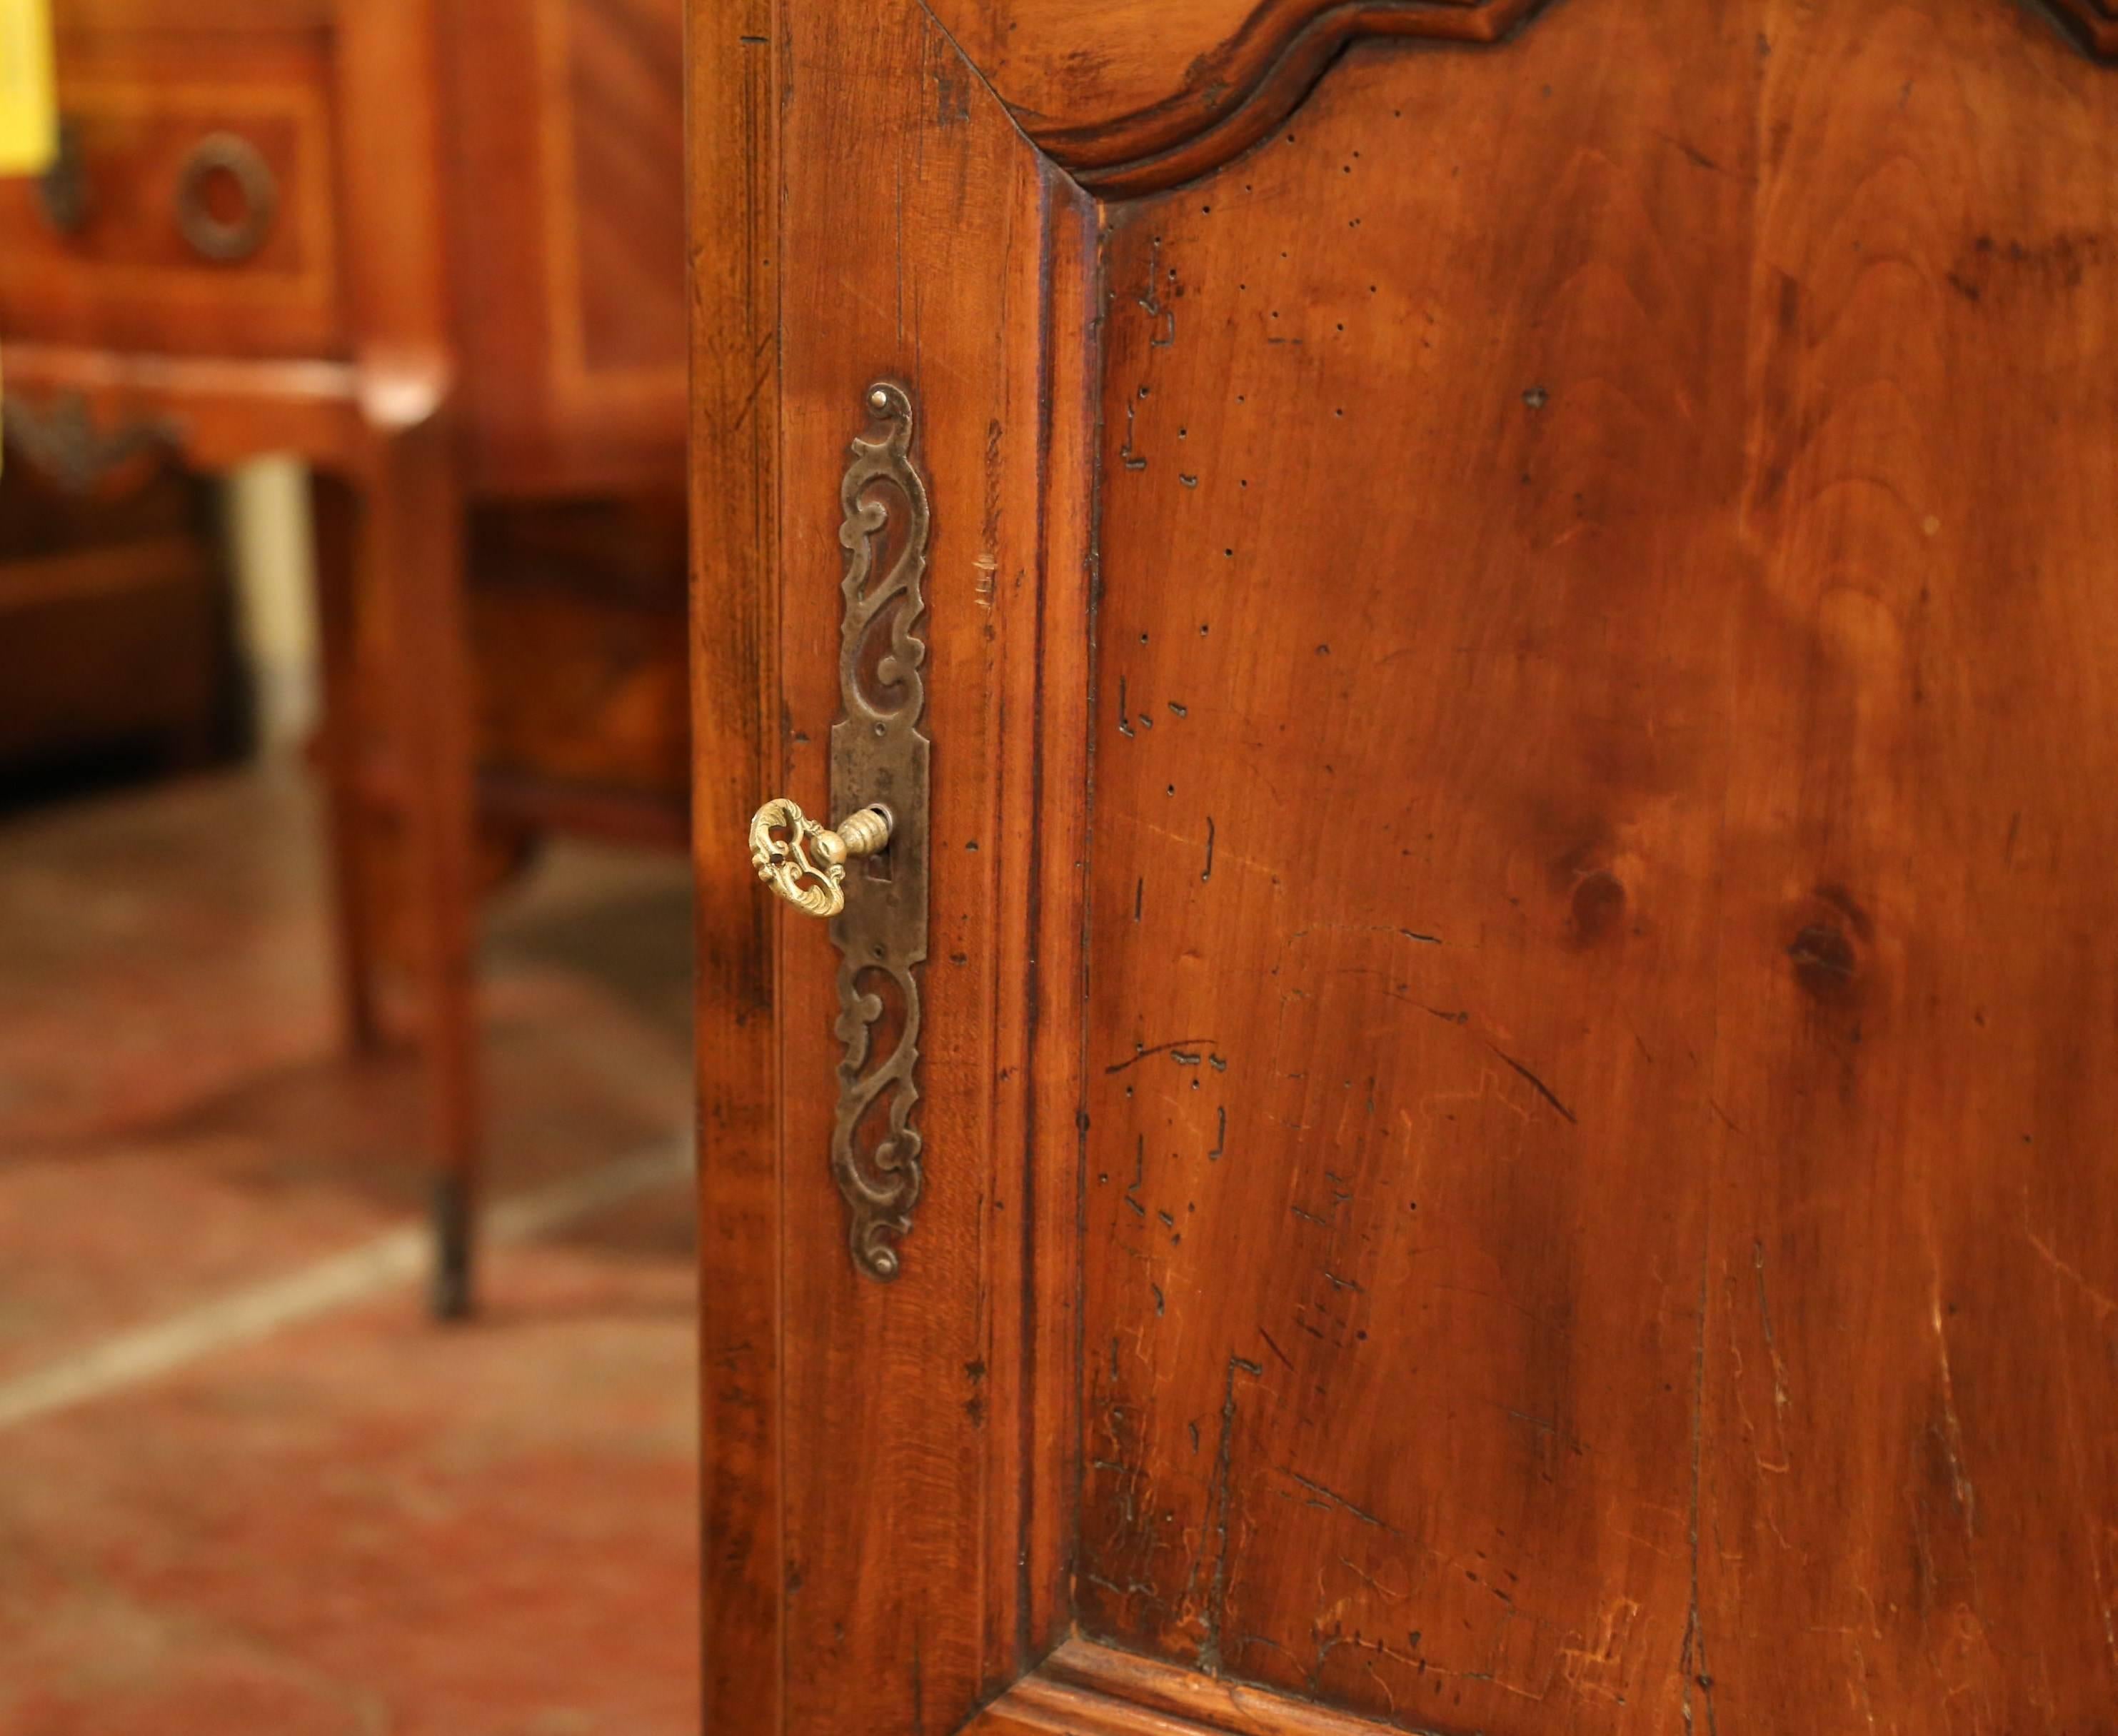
(361,1523)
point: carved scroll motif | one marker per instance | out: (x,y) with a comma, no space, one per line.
(62,439)
(879,756)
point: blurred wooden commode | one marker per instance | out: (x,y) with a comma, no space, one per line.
(434,247)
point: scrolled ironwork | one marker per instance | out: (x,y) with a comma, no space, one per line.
(880,758)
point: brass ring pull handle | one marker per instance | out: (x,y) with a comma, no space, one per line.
(815,884)
(231,240)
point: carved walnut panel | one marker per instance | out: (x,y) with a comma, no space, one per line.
(1584,522)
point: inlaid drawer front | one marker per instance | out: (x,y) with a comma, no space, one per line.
(186,212)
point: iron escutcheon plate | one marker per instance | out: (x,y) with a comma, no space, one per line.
(880,757)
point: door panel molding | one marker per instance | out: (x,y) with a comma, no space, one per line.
(1169,94)
(1153,107)
(1085,1689)
(2093,22)
(733,194)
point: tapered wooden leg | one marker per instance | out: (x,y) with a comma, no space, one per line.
(335,509)
(415,544)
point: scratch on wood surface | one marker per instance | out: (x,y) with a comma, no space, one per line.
(1967,1496)
(1860,1681)
(1217,1595)
(1696,1671)
(1781,1402)
(1142,1051)
(1328,1643)
(2104,1303)
(1332,1498)
(1541,1089)
(1223,855)
(1595,1668)
(1366,928)
(1131,460)
(1389,1593)
(2104,1604)
(897,239)
(749,398)
(989,535)
(1150,299)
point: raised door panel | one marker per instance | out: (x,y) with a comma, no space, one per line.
(1421,558)
(1598,986)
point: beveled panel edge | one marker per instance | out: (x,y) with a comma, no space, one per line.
(2092,23)
(1087,1689)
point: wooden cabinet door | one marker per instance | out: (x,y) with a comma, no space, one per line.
(1518,1024)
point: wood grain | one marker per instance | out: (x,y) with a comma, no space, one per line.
(1405,867)
(1519,1018)
(903,1400)
(731,141)
(1138,1689)
(1907,1333)
(872,1448)
(1565,1194)
(1131,98)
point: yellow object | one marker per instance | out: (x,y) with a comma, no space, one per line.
(29,110)
(29,117)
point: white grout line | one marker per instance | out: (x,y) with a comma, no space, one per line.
(399,1257)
